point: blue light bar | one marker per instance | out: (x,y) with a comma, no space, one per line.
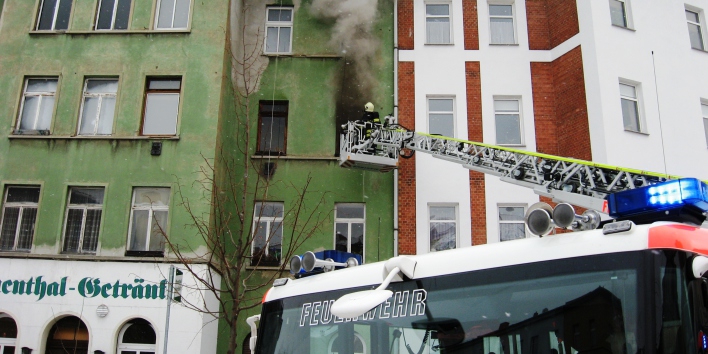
(668,195)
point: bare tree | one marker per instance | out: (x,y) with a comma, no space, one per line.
(230,184)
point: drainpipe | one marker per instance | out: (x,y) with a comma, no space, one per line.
(395,114)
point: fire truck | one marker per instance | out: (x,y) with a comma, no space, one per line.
(631,279)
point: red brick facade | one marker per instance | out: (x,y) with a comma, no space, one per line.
(405,24)
(551,22)
(478,206)
(560,107)
(406,168)
(470,22)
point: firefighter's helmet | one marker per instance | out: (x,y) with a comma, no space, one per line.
(369,107)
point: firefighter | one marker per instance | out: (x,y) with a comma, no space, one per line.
(370,118)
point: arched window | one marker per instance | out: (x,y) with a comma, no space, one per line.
(358,345)
(69,334)
(8,334)
(137,337)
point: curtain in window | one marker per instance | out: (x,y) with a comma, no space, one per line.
(502,30)
(438,30)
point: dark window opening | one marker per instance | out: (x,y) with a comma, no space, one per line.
(272,127)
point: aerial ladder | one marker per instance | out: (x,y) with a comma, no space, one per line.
(378,147)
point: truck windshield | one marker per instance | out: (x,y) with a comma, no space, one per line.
(595,304)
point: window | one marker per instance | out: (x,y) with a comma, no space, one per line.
(54,15)
(37,105)
(441,116)
(137,337)
(704,110)
(358,347)
(148,221)
(279,30)
(68,335)
(19,215)
(272,127)
(443,227)
(172,14)
(630,107)
(8,334)
(507,118)
(501,24)
(695,29)
(161,106)
(98,107)
(349,221)
(618,13)
(113,14)
(268,234)
(437,24)
(511,223)
(83,220)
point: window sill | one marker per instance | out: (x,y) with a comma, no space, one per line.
(440,44)
(700,50)
(110,32)
(504,44)
(637,132)
(623,27)
(514,146)
(154,254)
(92,137)
(311,56)
(292,157)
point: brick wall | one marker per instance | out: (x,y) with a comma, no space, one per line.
(406,168)
(550,22)
(470,22)
(405,24)
(478,206)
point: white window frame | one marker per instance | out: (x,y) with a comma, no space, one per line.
(7,341)
(638,102)
(258,217)
(455,221)
(151,208)
(700,24)
(279,25)
(453,112)
(704,113)
(41,95)
(138,348)
(512,17)
(22,207)
(349,222)
(113,16)
(54,17)
(99,109)
(449,17)
(522,140)
(171,27)
(500,221)
(84,208)
(165,131)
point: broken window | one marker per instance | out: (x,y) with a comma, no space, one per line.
(272,127)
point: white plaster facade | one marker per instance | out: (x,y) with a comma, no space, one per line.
(654,52)
(190,331)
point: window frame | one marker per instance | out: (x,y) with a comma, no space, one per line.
(700,24)
(147,94)
(455,221)
(156,27)
(449,17)
(519,112)
(349,222)
(274,114)
(512,17)
(41,95)
(22,207)
(704,114)
(641,124)
(279,25)
(84,208)
(258,217)
(100,97)
(54,16)
(521,221)
(627,14)
(151,212)
(453,113)
(6,342)
(138,348)
(113,16)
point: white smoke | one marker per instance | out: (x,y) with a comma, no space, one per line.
(352,35)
